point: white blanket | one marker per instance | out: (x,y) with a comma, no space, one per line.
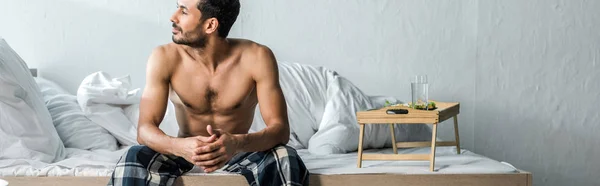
(103,98)
(113,104)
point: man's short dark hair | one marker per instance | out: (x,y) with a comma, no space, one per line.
(226,12)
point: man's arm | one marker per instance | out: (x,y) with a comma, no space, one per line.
(154,104)
(272,107)
(152,110)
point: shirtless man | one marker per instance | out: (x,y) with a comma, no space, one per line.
(215,84)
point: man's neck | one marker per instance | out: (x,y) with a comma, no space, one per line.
(214,52)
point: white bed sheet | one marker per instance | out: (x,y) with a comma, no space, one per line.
(101,163)
(446,161)
(78,163)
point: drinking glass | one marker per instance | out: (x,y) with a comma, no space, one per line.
(420,92)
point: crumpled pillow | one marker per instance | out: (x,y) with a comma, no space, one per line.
(74,128)
(26,129)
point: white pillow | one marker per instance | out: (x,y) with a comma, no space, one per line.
(26,130)
(74,128)
(304,88)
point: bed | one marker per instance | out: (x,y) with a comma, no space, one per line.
(51,137)
(338,169)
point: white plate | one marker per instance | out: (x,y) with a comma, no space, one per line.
(3,183)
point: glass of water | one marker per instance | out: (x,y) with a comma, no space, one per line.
(420,92)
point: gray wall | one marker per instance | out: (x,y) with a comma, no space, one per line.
(537,90)
(525,72)
(69,39)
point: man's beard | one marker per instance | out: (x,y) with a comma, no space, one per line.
(189,39)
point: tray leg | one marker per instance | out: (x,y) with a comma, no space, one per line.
(433,140)
(393,139)
(456,134)
(360,144)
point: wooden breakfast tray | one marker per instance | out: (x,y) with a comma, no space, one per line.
(443,112)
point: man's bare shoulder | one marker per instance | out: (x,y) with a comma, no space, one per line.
(247,45)
(167,52)
(163,60)
(257,59)
(253,52)
(166,55)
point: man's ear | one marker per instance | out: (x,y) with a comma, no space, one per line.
(211,25)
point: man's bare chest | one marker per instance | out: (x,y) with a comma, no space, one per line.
(213,95)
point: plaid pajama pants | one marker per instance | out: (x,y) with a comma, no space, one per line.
(141,165)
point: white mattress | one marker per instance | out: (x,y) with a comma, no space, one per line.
(86,163)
